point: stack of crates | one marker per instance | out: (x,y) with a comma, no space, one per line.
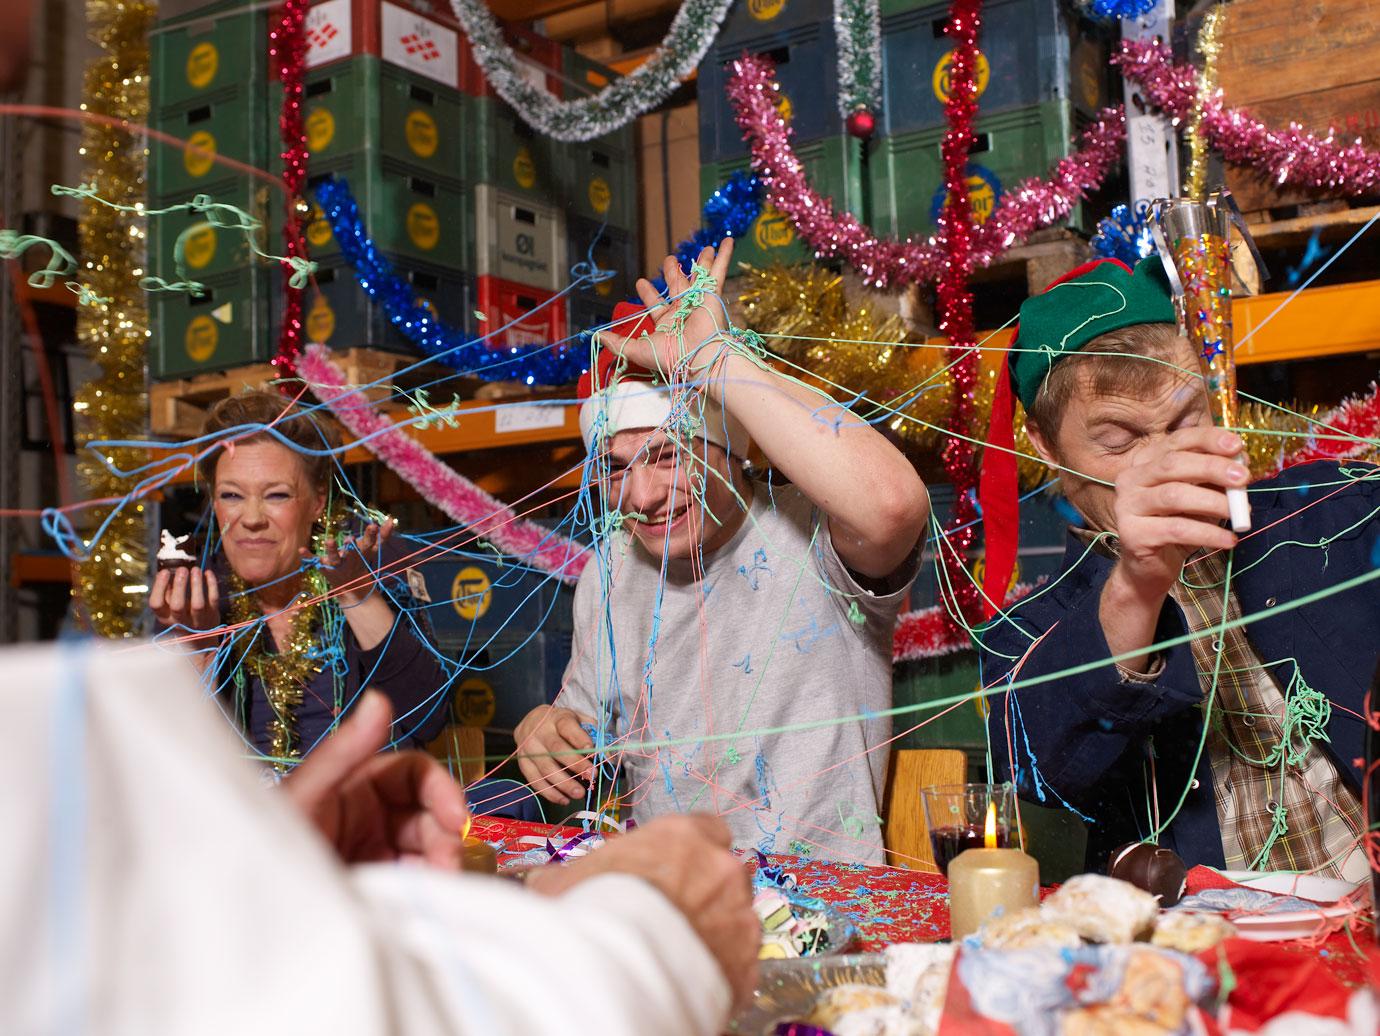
(511,629)
(599,195)
(798,35)
(520,228)
(1042,73)
(209,87)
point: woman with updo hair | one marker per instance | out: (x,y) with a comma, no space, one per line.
(312,617)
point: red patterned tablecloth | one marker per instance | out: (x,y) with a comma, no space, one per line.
(890,905)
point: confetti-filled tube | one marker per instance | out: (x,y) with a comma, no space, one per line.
(1198,259)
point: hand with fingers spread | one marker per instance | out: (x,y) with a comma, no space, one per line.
(687,859)
(379,807)
(349,564)
(542,737)
(664,349)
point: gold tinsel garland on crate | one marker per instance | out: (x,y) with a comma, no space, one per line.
(113,404)
(806,316)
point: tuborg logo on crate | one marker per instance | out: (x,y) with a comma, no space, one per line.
(474,703)
(202,64)
(328,32)
(471,593)
(420,133)
(983,191)
(765,10)
(200,155)
(415,43)
(940,79)
(772,229)
(320,321)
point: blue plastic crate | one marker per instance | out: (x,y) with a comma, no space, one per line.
(1032,51)
(749,19)
(508,677)
(612,249)
(807,71)
(475,599)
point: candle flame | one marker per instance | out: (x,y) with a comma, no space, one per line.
(989,832)
(465,831)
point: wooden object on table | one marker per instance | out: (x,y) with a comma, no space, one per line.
(1312,63)
(904,832)
(463,745)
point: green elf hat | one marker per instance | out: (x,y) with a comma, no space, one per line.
(1088,301)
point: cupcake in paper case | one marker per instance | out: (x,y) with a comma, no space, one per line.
(176,551)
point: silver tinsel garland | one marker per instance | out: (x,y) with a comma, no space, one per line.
(858,26)
(692,31)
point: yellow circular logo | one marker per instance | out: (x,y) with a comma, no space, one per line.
(604,288)
(202,64)
(201,338)
(199,246)
(982,199)
(474,703)
(940,79)
(600,195)
(420,133)
(318,228)
(320,129)
(423,226)
(470,593)
(784,107)
(320,321)
(772,230)
(765,10)
(524,169)
(198,162)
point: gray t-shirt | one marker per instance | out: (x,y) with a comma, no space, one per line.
(773,631)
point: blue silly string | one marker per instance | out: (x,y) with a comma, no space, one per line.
(1124,235)
(728,212)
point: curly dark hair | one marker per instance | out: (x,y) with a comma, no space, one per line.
(306,430)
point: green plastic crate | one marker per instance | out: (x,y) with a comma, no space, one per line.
(832,172)
(906,171)
(209,250)
(227,327)
(503,150)
(364,104)
(598,181)
(406,210)
(197,54)
(930,680)
(232,122)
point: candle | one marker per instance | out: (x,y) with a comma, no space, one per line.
(479,856)
(989,881)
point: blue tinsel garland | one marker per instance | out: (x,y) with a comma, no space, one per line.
(1113,10)
(728,212)
(1124,235)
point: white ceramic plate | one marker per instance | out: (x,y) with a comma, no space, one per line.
(1293,923)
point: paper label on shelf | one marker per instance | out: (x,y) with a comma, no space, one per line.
(526,417)
(329,32)
(419,45)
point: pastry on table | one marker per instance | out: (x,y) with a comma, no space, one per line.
(1157,870)
(1102,909)
(1150,1001)
(1027,929)
(919,974)
(1190,932)
(860,1010)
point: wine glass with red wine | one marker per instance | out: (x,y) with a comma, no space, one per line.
(957,817)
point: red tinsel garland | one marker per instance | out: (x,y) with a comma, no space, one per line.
(1358,416)
(287,51)
(1032,204)
(929,633)
(1289,156)
(955,300)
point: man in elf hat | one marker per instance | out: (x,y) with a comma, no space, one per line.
(1145,708)
(720,610)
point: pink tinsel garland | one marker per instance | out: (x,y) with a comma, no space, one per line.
(1358,416)
(1032,204)
(1290,156)
(440,484)
(929,632)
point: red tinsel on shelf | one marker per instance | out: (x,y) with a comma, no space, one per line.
(287,52)
(929,632)
(1358,416)
(1030,205)
(1289,156)
(955,303)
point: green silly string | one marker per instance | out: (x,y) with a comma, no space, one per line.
(60,265)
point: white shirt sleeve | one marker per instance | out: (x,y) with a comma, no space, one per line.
(151,885)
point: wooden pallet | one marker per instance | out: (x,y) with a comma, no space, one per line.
(177,409)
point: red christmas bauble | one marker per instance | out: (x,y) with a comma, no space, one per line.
(862,124)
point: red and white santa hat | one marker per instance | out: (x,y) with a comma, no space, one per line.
(614,400)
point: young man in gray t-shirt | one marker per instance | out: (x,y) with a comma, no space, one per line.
(728,632)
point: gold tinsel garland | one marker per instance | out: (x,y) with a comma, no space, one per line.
(113,405)
(806,316)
